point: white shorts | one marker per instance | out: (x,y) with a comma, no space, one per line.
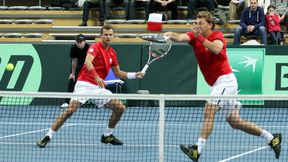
(82,87)
(225,85)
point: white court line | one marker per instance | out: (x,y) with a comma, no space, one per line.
(82,144)
(243,154)
(30,132)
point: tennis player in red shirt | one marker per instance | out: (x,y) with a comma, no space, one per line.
(210,51)
(100,58)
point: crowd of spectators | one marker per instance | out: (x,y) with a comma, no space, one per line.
(264,20)
(256,16)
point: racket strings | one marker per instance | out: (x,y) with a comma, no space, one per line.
(160,49)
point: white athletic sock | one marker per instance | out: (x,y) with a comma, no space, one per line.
(266,135)
(108,131)
(201,142)
(50,133)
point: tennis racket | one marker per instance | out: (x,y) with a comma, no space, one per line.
(158,48)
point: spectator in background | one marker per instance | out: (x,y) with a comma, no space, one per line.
(252,22)
(78,54)
(88,4)
(273,24)
(129,6)
(132,4)
(262,3)
(193,5)
(160,5)
(235,9)
(146,5)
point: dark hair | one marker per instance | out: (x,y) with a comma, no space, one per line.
(208,17)
(80,38)
(106,27)
(271,6)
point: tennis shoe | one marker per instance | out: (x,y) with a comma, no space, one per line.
(191,151)
(111,139)
(43,142)
(275,144)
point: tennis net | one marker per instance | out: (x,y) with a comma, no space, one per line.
(152,128)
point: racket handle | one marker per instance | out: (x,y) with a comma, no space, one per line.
(145,68)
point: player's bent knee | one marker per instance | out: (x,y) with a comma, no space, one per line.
(72,107)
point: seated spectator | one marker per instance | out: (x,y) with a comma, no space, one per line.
(262,3)
(88,4)
(235,9)
(146,5)
(252,22)
(160,5)
(129,6)
(193,5)
(67,4)
(273,24)
(132,4)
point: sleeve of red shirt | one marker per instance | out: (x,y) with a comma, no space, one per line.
(219,36)
(192,36)
(93,50)
(114,59)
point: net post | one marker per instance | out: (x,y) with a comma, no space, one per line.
(161,127)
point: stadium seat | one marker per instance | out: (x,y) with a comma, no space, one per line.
(55,8)
(18,8)
(3,7)
(229,35)
(32,35)
(126,35)
(12,35)
(37,8)
(176,22)
(136,21)
(43,21)
(115,21)
(234,21)
(4,21)
(23,21)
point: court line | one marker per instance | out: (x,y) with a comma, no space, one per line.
(100,144)
(30,132)
(82,144)
(243,154)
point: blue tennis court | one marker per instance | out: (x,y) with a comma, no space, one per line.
(79,138)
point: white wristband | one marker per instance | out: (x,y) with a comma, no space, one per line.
(131,75)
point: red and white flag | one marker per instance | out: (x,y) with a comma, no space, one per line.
(155,22)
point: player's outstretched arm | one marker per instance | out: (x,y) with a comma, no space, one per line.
(126,75)
(177,37)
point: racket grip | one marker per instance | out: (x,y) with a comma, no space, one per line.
(145,68)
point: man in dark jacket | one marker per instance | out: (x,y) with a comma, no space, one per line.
(252,22)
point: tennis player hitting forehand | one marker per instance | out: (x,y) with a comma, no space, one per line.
(210,51)
(100,58)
